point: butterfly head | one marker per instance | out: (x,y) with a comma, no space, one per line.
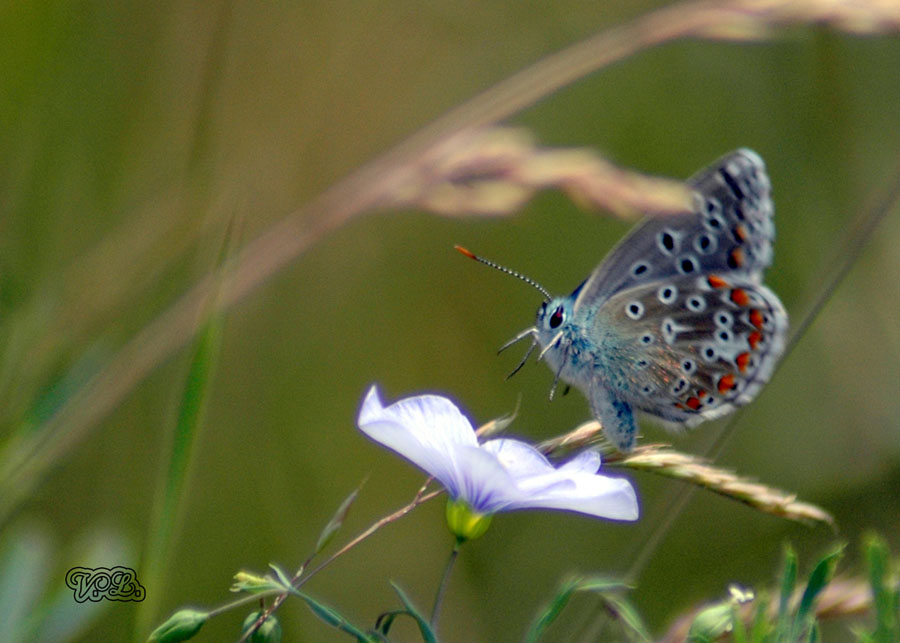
(552,317)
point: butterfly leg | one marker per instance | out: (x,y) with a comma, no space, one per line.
(616,417)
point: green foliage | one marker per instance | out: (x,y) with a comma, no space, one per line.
(268,632)
(425,629)
(337,520)
(608,590)
(794,621)
(885,593)
(334,618)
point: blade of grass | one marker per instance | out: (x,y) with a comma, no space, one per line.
(173,481)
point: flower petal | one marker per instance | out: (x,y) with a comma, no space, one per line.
(501,474)
(425,429)
(588,461)
(592,494)
(483,482)
(519,458)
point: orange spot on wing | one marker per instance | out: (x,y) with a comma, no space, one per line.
(756,318)
(740,233)
(693,403)
(754,339)
(742,361)
(740,297)
(726,383)
(737,257)
(701,393)
(715,281)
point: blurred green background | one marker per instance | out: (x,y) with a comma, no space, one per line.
(133,133)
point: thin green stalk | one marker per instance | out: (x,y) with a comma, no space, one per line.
(442,588)
(173,480)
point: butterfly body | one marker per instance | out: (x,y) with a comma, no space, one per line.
(675,323)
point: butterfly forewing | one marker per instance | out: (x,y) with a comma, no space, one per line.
(729,230)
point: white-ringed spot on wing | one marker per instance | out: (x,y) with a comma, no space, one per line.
(640,269)
(724,319)
(634,310)
(705,243)
(695,303)
(687,264)
(667,294)
(667,241)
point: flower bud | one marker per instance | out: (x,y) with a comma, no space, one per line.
(464,523)
(181,626)
(711,623)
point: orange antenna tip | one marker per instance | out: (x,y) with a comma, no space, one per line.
(469,254)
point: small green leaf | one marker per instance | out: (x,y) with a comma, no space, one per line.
(788,581)
(603,586)
(385,621)
(333,617)
(818,579)
(337,520)
(428,635)
(628,615)
(551,610)
(884,598)
(761,627)
(739,630)
(281,575)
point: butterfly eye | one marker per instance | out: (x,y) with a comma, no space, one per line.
(556,318)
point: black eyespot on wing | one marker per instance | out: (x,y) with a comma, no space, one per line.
(687,265)
(639,269)
(666,241)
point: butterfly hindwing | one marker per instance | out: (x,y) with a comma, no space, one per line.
(691,348)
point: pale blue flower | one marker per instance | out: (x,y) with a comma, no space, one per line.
(499,475)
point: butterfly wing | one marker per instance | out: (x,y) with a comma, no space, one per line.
(730,230)
(688,348)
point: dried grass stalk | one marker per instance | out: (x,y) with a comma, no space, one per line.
(495,170)
(663,460)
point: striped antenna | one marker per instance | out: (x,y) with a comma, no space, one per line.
(517,275)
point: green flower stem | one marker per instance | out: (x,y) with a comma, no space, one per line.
(252,598)
(442,588)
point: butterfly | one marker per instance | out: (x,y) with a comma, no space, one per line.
(675,323)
